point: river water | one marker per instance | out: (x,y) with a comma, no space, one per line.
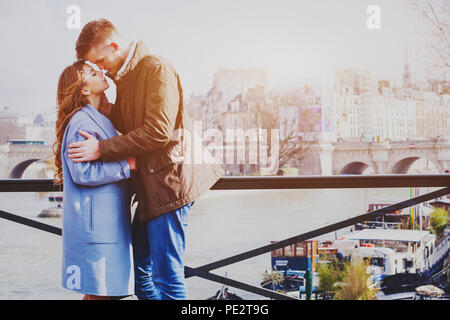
(221,224)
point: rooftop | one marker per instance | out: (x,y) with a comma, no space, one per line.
(443,200)
(7,113)
(385,234)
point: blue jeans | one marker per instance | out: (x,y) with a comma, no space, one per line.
(158,247)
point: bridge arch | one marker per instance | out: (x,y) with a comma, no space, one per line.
(404,165)
(19,169)
(356,167)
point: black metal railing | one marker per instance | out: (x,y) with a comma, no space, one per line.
(246,183)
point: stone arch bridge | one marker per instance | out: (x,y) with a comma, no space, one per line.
(331,158)
(347,157)
(16,157)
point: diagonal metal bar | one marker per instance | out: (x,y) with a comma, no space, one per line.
(321,231)
(31,223)
(190,272)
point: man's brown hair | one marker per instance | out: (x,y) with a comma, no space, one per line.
(91,34)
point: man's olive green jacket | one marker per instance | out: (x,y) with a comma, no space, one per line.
(173,170)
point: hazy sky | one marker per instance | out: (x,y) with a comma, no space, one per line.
(297,41)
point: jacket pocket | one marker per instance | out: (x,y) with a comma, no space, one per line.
(160,160)
(101,217)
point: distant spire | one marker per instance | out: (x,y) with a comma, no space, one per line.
(406,73)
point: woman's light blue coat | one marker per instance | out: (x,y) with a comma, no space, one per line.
(97,245)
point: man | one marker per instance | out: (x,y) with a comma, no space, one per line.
(150,115)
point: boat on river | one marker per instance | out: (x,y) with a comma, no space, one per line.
(389,252)
(396,251)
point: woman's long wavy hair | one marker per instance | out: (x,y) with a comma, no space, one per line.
(69,100)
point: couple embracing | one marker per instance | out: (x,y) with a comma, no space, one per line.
(106,254)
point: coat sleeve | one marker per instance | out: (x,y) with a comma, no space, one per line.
(92,173)
(161,99)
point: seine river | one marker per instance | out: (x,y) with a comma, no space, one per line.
(221,224)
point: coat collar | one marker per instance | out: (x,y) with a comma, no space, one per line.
(98,118)
(140,52)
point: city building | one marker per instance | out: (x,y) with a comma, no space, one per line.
(390,115)
(15,126)
(300,113)
(347,112)
(369,111)
(353,106)
(231,82)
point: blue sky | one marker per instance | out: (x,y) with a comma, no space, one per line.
(297,41)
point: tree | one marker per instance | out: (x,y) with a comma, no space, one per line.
(357,282)
(439,221)
(292,146)
(272,278)
(330,274)
(437,14)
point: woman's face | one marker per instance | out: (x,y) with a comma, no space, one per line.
(94,81)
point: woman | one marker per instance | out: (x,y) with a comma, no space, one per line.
(97,251)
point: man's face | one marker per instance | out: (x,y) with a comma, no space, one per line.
(106,56)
